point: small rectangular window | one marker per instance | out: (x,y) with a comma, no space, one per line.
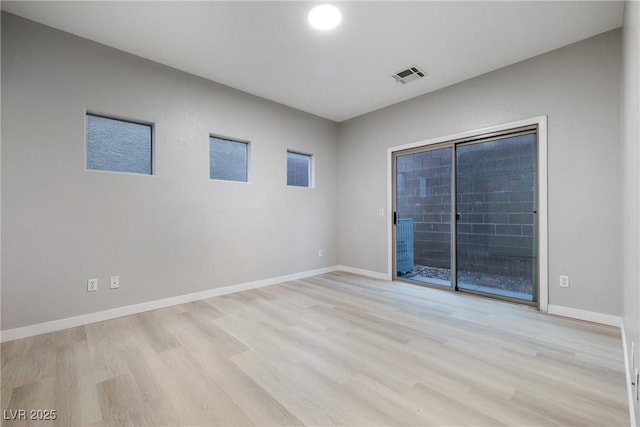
(228,159)
(298,169)
(116,145)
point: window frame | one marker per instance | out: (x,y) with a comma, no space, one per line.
(247,163)
(118,118)
(311,171)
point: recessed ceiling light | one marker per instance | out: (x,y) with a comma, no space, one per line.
(324,17)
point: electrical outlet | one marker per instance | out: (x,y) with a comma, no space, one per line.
(564,281)
(92,285)
(320,252)
(115,282)
(381,212)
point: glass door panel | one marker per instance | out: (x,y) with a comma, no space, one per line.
(495,229)
(423,209)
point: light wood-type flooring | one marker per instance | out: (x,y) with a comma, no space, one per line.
(336,349)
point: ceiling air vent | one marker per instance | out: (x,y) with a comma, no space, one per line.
(409,75)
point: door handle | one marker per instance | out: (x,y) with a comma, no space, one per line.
(395,218)
(457,217)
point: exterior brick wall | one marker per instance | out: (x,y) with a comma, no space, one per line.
(494,199)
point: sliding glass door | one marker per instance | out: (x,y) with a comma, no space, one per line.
(495,203)
(465,215)
(423,216)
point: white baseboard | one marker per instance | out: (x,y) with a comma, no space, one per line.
(627,376)
(589,316)
(606,319)
(85,319)
(361,272)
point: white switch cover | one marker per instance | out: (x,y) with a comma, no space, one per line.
(381,212)
(115,282)
(320,252)
(92,285)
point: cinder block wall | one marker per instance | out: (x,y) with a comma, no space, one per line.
(495,196)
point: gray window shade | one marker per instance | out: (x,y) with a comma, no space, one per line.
(228,160)
(118,145)
(298,169)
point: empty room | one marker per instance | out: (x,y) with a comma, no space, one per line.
(360,213)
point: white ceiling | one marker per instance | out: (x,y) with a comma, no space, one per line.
(268,49)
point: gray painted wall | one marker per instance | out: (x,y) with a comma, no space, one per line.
(631,178)
(578,87)
(169,234)
(178,232)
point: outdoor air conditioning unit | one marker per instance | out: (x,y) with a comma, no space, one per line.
(404,254)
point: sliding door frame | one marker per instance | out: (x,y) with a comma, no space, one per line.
(450,145)
(541,203)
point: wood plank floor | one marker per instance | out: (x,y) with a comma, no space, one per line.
(336,349)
